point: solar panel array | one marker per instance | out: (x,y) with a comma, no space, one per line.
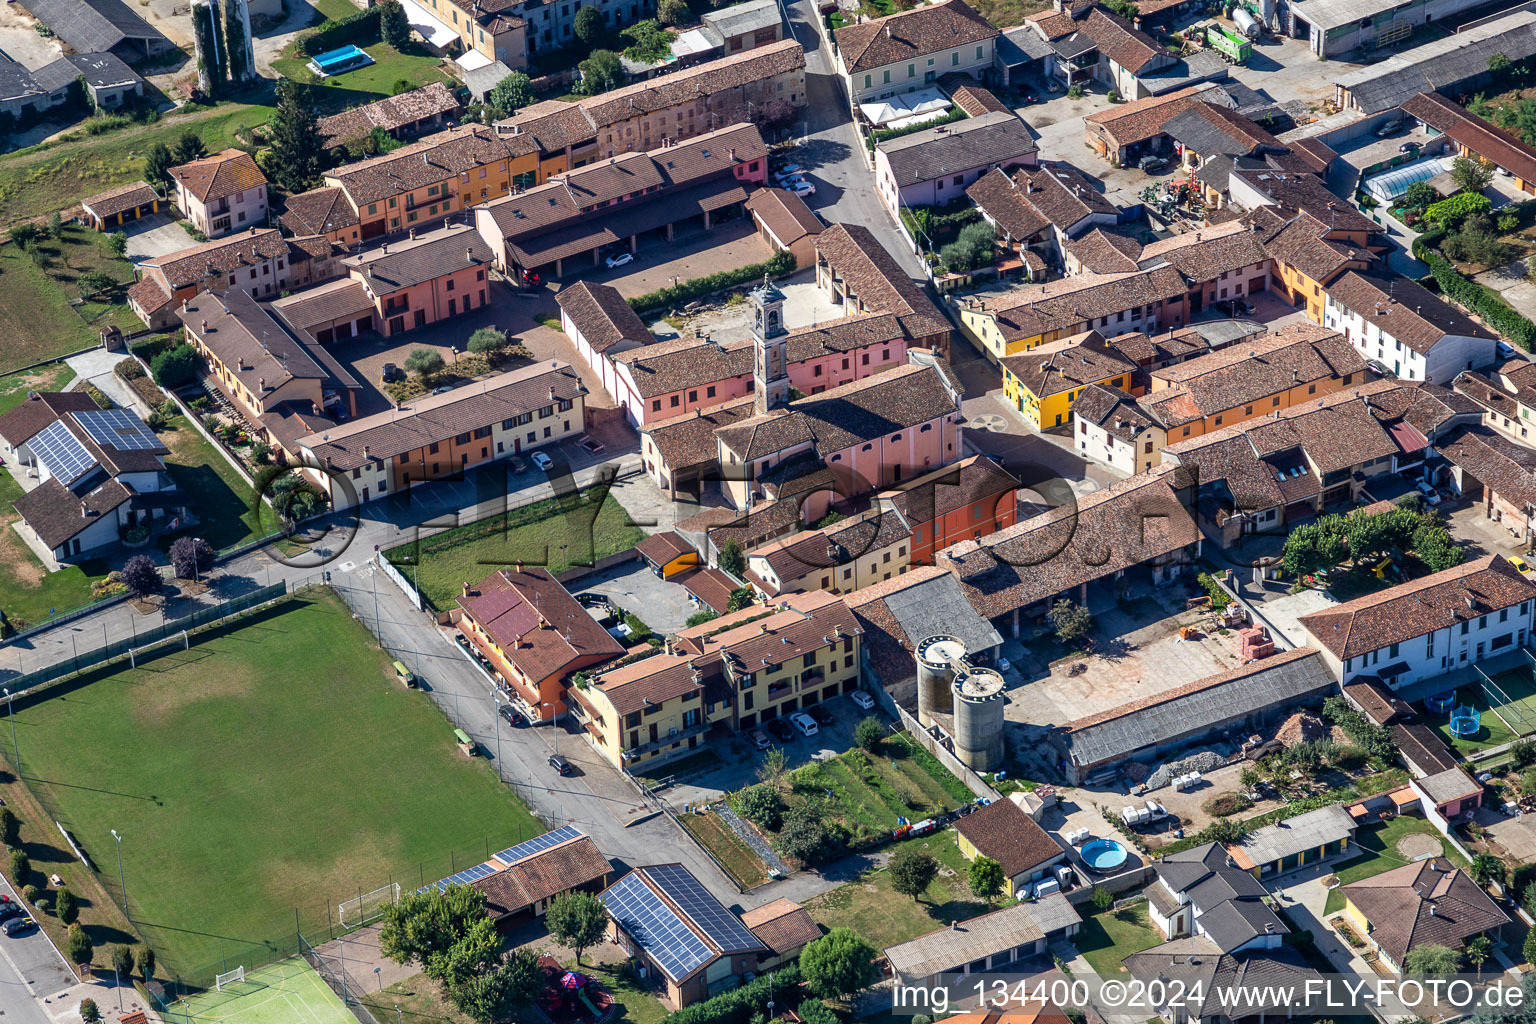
(722,926)
(117,428)
(62,452)
(516,853)
(463,877)
(666,937)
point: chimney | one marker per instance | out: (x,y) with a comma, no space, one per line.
(385,249)
(315,406)
(261,384)
(204,324)
(887,31)
(85,513)
(411,233)
(551,392)
(1431,910)
(733,152)
(519,565)
(466,589)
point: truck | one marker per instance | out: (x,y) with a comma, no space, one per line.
(1231,45)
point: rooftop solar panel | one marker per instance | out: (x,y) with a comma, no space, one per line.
(516,853)
(62,452)
(666,938)
(117,428)
(463,877)
(713,919)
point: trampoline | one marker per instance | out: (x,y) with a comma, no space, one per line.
(1441,702)
(1465,721)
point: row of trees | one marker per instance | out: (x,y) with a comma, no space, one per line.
(1362,536)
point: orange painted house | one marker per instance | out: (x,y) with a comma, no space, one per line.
(965,501)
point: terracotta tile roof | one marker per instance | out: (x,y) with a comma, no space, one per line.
(1263,367)
(785,214)
(429,256)
(1066,365)
(428,161)
(975,100)
(1074,302)
(147,296)
(784,926)
(1139,120)
(560,868)
(1002,200)
(551,124)
(39,409)
(1403,309)
(1475,134)
(911,34)
(712,586)
(332,301)
(248,341)
(1064,547)
(654,680)
(1114,411)
(1301,242)
(689,440)
(504,894)
(56,513)
(661,548)
(1302,192)
(1153,351)
(1428,903)
(219,176)
(602,316)
(990,140)
(535,622)
(1375,703)
(877,281)
(391,113)
(799,625)
(1106,252)
(318,212)
(1506,468)
(669,366)
(1001,830)
(435,418)
(799,554)
(1409,610)
(223,256)
(960,485)
(120,199)
(1210,253)
(1122,43)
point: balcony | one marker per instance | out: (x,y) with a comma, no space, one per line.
(681,735)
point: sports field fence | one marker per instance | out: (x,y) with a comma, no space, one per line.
(1517,716)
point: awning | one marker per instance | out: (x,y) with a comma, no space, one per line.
(905,105)
(473,60)
(1395,669)
(435,32)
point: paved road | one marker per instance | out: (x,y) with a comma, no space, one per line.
(31,970)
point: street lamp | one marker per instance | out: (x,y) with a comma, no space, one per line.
(120,883)
(376,974)
(15,748)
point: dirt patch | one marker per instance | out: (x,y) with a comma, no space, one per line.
(1419,845)
(1301,727)
(14,553)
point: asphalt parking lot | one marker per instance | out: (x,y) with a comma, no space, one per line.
(662,605)
(155,235)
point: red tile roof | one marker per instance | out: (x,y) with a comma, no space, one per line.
(219,176)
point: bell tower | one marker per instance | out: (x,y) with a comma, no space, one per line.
(770,371)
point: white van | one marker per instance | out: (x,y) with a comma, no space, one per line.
(804,722)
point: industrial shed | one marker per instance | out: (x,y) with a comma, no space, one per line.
(99,26)
(900,613)
(1454,64)
(1241,697)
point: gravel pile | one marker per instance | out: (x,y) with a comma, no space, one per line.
(1204,761)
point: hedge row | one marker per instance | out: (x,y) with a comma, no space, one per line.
(359,26)
(1458,208)
(738,1005)
(777,265)
(1485,302)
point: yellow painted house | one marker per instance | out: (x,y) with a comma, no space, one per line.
(1003,831)
(1043,382)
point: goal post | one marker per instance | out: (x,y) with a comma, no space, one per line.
(368,906)
(228,978)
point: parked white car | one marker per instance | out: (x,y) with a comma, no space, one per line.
(759,739)
(805,723)
(543,461)
(863,700)
(787,171)
(803,189)
(1431,496)
(618,259)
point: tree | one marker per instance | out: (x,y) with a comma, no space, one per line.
(869,734)
(1522,750)
(1432,961)
(912,869)
(601,70)
(93,282)
(122,956)
(78,946)
(1529,949)
(21,867)
(673,12)
(512,93)
(1437,550)
(424,362)
(394,26)
(1420,195)
(146,960)
(500,993)
(487,340)
(89,1011)
(293,162)
(191,557)
(589,27)
(649,43)
(577,920)
(986,878)
(1371,536)
(157,164)
(117,243)
(1101,898)
(25,234)
(814,1011)
(1315,545)
(732,559)
(808,837)
(140,576)
(68,906)
(175,366)
(1477,952)
(425,927)
(10,826)
(1125,8)
(762,805)
(775,116)
(1487,869)
(188,147)
(55,227)
(740,598)
(838,964)
(1071,620)
(774,765)
(1498,63)
(1472,174)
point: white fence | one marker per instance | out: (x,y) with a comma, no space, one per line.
(399,580)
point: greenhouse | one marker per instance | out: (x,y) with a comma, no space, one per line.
(1388,186)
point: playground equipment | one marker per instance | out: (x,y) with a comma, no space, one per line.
(1441,703)
(1465,721)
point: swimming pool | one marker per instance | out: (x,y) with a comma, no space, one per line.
(334,62)
(1103,855)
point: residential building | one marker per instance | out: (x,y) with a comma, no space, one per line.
(1497,473)
(848,555)
(1116,429)
(526,878)
(1428,903)
(935,167)
(1453,793)
(601,324)
(1129,131)
(1043,382)
(109,83)
(1295,842)
(1003,832)
(1020,570)
(1456,64)
(1310,255)
(785,927)
(438,436)
(115,207)
(325,212)
(623,200)
(1040,211)
(1474,137)
(730,673)
(909,50)
(856,271)
(221,193)
(495,31)
(649,115)
(991,942)
(785,222)
(1203,892)
(1429,626)
(90,476)
(663,917)
(425,278)
(1215,980)
(682,449)
(259,262)
(400,117)
(1156,727)
(966,500)
(99,26)
(1399,323)
(1089,43)
(1505,395)
(534,635)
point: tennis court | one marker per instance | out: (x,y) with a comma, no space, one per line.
(287,992)
(1512,695)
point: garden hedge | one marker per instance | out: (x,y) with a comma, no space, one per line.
(777,265)
(1458,208)
(737,1005)
(1485,302)
(360,26)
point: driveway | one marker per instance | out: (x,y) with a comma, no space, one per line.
(662,605)
(95,367)
(658,264)
(1512,282)
(155,235)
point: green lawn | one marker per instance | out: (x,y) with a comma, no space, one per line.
(35,302)
(740,861)
(54,175)
(78,250)
(1107,938)
(249,793)
(14,386)
(1379,843)
(220,498)
(544,534)
(884,917)
(1492,731)
(375,81)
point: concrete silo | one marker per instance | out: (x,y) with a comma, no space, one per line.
(978,702)
(938,658)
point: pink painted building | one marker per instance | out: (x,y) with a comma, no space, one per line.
(424,278)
